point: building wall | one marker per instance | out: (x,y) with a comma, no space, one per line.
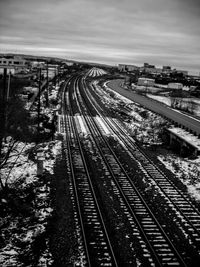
(11,70)
(13,65)
(185,73)
(151,70)
(166,68)
(146,82)
(12,62)
(124,67)
(132,67)
(121,67)
(175,86)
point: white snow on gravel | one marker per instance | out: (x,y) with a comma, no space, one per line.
(188,171)
(20,167)
(107,132)
(183,103)
(163,99)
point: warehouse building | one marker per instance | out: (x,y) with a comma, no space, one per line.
(146,82)
(14,65)
(5,62)
(124,67)
(175,86)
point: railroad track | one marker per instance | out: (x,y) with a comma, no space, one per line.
(180,199)
(162,250)
(187,215)
(96,248)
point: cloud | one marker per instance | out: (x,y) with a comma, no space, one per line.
(113,31)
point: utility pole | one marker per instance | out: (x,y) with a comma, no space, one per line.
(55,78)
(59,75)
(47,88)
(3,110)
(6,103)
(8,90)
(39,94)
(58,79)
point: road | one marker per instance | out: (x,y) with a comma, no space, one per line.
(181,119)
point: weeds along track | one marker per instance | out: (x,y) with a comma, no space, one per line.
(96,247)
(183,215)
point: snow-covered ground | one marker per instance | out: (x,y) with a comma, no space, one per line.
(190,104)
(163,99)
(143,124)
(186,170)
(21,172)
(31,193)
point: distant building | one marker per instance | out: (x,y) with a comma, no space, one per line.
(124,67)
(166,68)
(132,68)
(175,86)
(148,68)
(14,65)
(151,70)
(12,62)
(184,72)
(68,63)
(38,64)
(146,82)
(147,65)
(10,70)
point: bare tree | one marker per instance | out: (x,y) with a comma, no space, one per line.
(17,129)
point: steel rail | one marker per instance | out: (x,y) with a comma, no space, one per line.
(125,198)
(193,236)
(151,169)
(66,110)
(132,147)
(106,255)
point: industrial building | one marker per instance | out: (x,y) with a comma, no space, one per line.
(5,62)
(184,72)
(151,69)
(146,82)
(123,67)
(14,65)
(175,86)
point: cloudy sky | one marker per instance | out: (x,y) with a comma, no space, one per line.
(159,32)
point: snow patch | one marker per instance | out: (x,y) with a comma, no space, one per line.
(107,132)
